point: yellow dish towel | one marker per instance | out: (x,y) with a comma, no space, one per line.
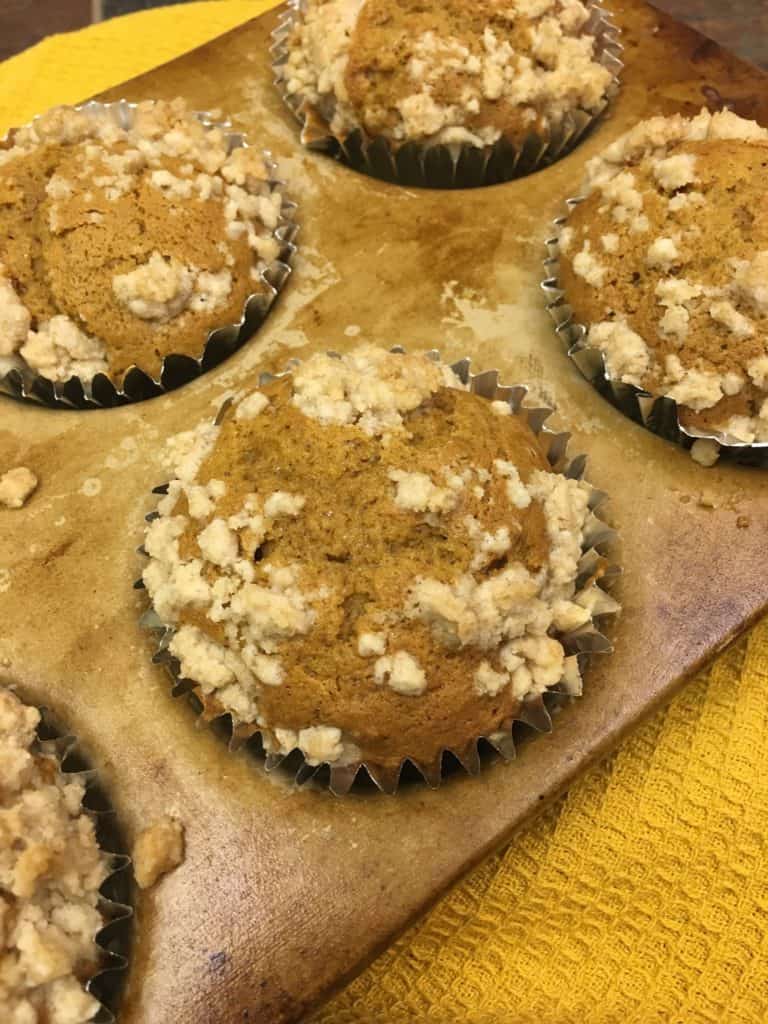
(642,897)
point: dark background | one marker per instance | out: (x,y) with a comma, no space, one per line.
(740,25)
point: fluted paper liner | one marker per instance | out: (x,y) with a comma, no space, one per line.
(448,165)
(533,712)
(658,413)
(20,381)
(114,937)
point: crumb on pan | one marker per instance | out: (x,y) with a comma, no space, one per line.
(16,486)
(51,869)
(705,452)
(158,849)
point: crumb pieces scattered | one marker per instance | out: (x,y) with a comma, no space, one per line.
(708,499)
(158,849)
(416,492)
(369,644)
(588,267)
(367,387)
(402,672)
(705,452)
(58,350)
(320,744)
(51,870)
(163,287)
(16,486)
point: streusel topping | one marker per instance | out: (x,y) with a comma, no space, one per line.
(666,261)
(372,563)
(445,71)
(120,245)
(51,869)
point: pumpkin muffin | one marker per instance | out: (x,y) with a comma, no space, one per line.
(666,263)
(366,562)
(444,71)
(51,869)
(120,245)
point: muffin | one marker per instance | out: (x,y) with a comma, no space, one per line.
(127,234)
(363,561)
(51,869)
(444,71)
(666,263)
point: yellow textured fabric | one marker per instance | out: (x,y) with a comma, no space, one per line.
(642,897)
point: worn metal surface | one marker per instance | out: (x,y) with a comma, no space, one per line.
(739,25)
(285,893)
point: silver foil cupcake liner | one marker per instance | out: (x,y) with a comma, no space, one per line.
(658,413)
(447,165)
(19,381)
(535,713)
(113,940)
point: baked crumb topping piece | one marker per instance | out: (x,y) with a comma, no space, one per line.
(677,300)
(444,70)
(51,869)
(16,486)
(159,848)
(370,563)
(120,245)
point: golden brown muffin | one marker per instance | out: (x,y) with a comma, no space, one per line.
(444,70)
(368,563)
(120,246)
(666,262)
(51,869)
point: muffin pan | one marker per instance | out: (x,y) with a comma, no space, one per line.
(285,892)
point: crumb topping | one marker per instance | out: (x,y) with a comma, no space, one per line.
(312,582)
(15,318)
(162,288)
(58,350)
(416,491)
(51,869)
(445,72)
(705,452)
(120,242)
(369,644)
(16,485)
(158,849)
(588,267)
(366,388)
(402,672)
(677,300)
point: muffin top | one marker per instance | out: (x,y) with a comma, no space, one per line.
(120,245)
(444,70)
(367,562)
(51,869)
(666,262)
